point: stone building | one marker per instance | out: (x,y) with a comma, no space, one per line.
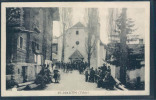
(55,49)
(75,49)
(29,42)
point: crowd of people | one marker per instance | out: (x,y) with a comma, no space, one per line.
(67,67)
(46,75)
(50,73)
(101,76)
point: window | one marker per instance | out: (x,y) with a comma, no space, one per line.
(33,45)
(77,42)
(55,48)
(35,57)
(18,71)
(77,32)
(21,42)
(37,46)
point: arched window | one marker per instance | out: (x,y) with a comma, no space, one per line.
(77,32)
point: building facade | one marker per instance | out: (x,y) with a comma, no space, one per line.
(26,47)
(76,46)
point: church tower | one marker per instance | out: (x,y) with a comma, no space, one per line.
(75,43)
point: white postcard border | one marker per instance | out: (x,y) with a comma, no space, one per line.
(136,4)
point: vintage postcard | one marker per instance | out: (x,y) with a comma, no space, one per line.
(75,48)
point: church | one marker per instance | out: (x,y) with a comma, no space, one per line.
(75,47)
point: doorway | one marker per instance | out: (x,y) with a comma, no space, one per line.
(76,61)
(24,73)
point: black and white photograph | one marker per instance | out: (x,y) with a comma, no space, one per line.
(74,49)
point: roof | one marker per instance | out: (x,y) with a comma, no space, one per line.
(76,54)
(22,29)
(79,24)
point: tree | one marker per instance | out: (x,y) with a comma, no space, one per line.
(93,35)
(90,47)
(66,22)
(14,17)
(135,57)
(125,26)
(113,53)
(119,32)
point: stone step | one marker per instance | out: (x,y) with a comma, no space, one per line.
(26,83)
(119,84)
(31,86)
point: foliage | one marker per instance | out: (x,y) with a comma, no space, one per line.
(124,27)
(128,24)
(11,83)
(113,52)
(135,86)
(92,25)
(9,70)
(43,77)
(65,18)
(13,17)
(134,59)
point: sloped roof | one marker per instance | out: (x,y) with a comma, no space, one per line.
(79,24)
(76,54)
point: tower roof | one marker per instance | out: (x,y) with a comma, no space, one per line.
(79,24)
(76,54)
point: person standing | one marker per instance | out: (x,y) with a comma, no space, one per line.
(96,75)
(109,70)
(52,65)
(92,74)
(56,75)
(100,79)
(86,75)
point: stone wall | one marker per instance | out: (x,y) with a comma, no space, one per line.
(21,52)
(59,55)
(133,74)
(102,55)
(34,19)
(115,70)
(31,72)
(70,43)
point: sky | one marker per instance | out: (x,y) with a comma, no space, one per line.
(78,16)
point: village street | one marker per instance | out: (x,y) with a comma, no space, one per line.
(72,81)
(101,44)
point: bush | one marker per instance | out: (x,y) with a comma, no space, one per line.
(10,84)
(42,80)
(43,77)
(10,70)
(135,86)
